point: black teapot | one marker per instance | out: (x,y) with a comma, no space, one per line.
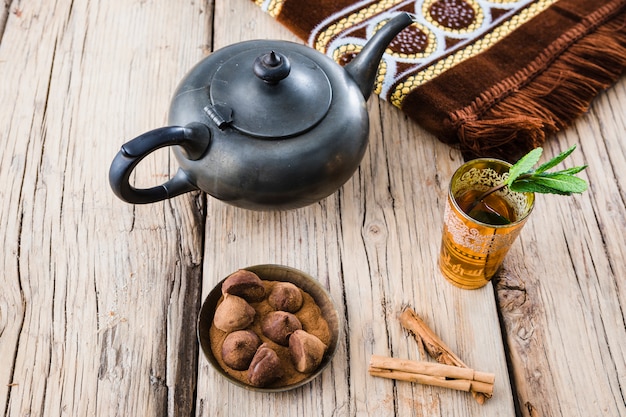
(263,125)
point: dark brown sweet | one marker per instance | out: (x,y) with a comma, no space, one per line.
(244,284)
(286,296)
(233,313)
(265,367)
(307,351)
(278,326)
(239,348)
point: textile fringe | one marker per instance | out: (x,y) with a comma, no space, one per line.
(519,113)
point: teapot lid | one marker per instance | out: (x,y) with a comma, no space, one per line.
(271,95)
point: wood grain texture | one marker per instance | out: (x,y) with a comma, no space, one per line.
(374,245)
(562,291)
(97,295)
(99,298)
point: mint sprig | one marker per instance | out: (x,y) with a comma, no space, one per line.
(524,179)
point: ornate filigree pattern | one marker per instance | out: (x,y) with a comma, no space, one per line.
(472,251)
(486,178)
(474,239)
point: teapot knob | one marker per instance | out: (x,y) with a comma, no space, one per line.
(272,67)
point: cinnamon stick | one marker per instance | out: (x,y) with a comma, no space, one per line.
(457,384)
(430,369)
(435,347)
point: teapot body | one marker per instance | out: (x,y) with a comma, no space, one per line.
(263,125)
(265,173)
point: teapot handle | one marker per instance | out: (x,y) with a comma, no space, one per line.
(194,138)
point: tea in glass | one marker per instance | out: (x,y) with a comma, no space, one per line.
(479,230)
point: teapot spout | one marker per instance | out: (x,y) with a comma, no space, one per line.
(364,66)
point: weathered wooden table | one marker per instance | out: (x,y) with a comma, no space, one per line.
(99,298)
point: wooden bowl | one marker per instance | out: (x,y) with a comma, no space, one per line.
(273,273)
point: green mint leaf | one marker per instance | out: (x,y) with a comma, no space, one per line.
(523,179)
(564,182)
(561,182)
(573,170)
(529,186)
(524,165)
(555,161)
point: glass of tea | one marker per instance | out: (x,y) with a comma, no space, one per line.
(479,229)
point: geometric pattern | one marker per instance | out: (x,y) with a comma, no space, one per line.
(444,34)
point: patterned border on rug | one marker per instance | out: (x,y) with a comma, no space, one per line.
(493,77)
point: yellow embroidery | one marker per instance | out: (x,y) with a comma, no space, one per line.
(491,38)
(273,6)
(430,47)
(350,48)
(354,19)
(477,21)
(464,21)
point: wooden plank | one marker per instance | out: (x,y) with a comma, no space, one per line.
(99,297)
(4,15)
(374,244)
(562,293)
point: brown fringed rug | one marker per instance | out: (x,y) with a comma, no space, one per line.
(492,77)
